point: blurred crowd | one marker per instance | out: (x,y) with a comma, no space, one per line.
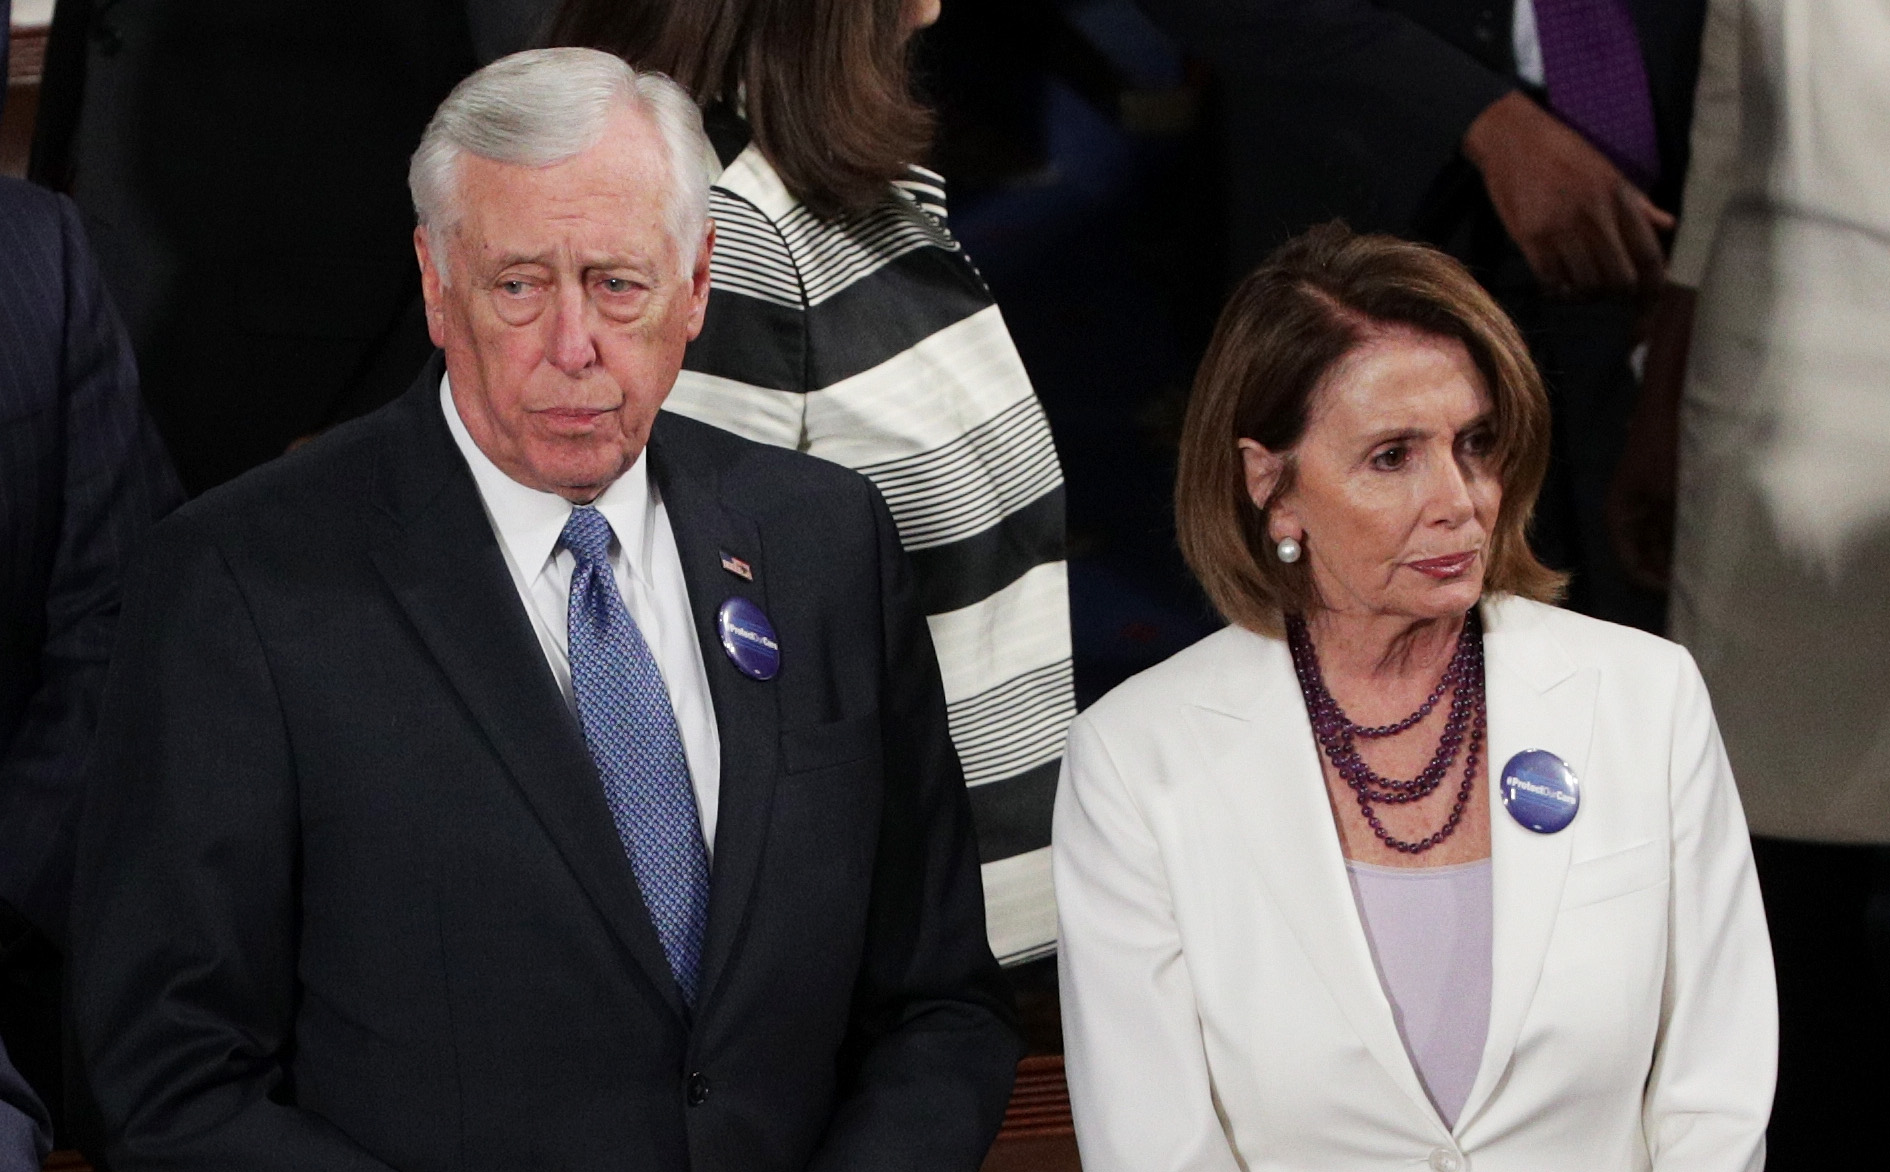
(1680,203)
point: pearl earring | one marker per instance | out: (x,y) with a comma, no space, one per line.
(1288,549)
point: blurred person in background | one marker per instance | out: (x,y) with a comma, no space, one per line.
(1538,141)
(241,168)
(845,321)
(1404,867)
(82,475)
(1767,418)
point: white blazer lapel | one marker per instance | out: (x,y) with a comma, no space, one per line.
(1252,726)
(1537,699)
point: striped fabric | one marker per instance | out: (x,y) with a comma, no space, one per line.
(871,341)
(82,476)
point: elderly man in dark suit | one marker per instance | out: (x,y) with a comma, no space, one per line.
(240,167)
(517,778)
(1543,142)
(82,476)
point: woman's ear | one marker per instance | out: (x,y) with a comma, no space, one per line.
(1264,469)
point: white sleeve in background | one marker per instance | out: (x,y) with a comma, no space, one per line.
(1526,44)
(757,413)
(1137,1067)
(1714,166)
(1716,1058)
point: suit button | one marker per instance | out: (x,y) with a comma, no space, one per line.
(1445,1160)
(698,1092)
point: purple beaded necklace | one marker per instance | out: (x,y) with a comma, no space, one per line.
(1338,736)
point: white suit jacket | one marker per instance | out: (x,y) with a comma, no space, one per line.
(1221,1007)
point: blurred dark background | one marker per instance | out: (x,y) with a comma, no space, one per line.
(1077,140)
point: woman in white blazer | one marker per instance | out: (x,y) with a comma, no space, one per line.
(1301,929)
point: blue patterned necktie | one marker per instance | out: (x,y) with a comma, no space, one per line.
(632,734)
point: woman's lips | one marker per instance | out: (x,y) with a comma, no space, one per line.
(1447,567)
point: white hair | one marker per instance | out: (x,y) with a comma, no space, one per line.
(545,106)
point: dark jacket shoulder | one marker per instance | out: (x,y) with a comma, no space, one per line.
(30,210)
(306,499)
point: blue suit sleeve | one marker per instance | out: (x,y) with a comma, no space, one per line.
(25,1131)
(114,480)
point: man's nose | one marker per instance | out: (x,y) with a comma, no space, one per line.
(569,346)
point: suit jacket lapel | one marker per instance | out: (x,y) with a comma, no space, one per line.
(443,563)
(1254,729)
(747,711)
(1537,700)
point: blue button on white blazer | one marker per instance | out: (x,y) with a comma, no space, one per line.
(1221,1007)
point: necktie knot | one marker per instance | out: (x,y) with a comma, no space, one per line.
(587,535)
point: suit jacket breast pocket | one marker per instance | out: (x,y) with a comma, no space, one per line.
(1618,873)
(813,747)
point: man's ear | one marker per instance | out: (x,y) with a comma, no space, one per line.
(1264,468)
(699,281)
(431,286)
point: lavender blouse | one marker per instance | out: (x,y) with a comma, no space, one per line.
(1429,929)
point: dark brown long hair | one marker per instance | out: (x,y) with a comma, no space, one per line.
(824,84)
(1287,326)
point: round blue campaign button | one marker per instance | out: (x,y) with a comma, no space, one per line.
(1540,791)
(748,638)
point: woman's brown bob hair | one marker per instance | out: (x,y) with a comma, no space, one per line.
(1315,300)
(824,84)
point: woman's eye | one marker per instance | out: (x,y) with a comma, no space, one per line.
(1391,459)
(1478,443)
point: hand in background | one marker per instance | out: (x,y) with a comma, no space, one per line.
(1640,507)
(1583,227)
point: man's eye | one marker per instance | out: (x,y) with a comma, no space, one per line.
(617,285)
(513,288)
(1391,459)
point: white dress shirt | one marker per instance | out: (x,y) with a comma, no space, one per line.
(649,575)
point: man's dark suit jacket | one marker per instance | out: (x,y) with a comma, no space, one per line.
(1356,109)
(242,168)
(351,897)
(82,476)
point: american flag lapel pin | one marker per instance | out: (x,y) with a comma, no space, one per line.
(737,567)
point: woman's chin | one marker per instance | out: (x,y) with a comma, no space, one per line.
(1446,599)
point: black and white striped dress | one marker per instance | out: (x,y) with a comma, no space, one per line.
(871,341)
